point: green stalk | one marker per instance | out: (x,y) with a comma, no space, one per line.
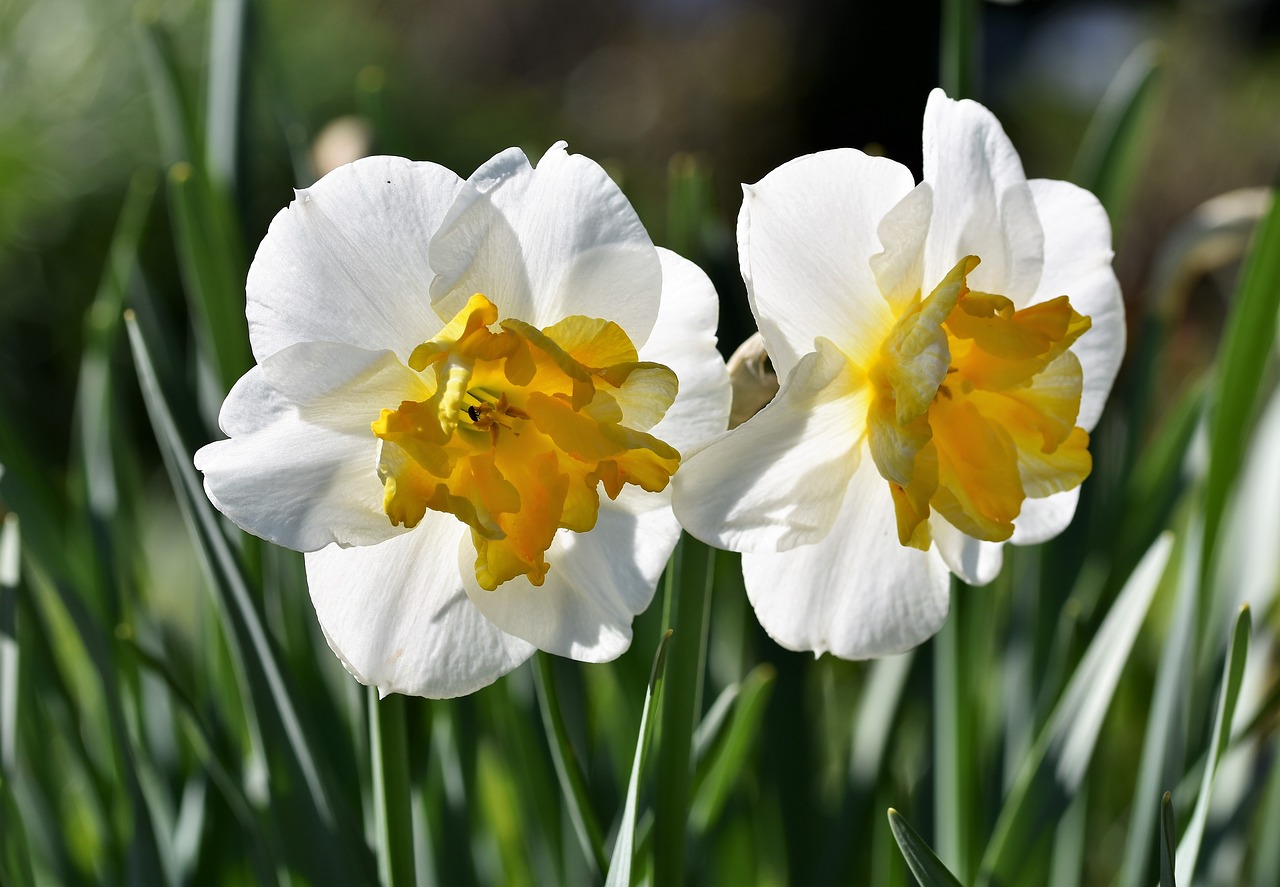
(388,750)
(572,783)
(686,607)
(952,750)
(958,65)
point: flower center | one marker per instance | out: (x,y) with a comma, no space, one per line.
(520,428)
(973,409)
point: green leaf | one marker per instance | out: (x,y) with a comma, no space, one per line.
(1243,353)
(727,761)
(1168,841)
(924,864)
(1107,162)
(1166,723)
(270,691)
(388,746)
(686,608)
(1233,676)
(1060,758)
(15,856)
(9,575)
(573,784)
(620,862)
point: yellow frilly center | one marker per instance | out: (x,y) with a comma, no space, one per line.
(521,427)
(973,409)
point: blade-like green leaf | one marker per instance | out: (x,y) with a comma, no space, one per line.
(573,784)
(1168,841)
(9,573)
(1243,353)
(730,756)
(1166,721)
(620,862)
(686,610)
(1108,158)
(1232,677)
(270,691)
(1061,755)
(923,862)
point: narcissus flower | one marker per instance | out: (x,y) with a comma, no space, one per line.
(448,374)
(944,350)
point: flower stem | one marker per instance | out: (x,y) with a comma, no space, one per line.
(568,771)
(958,68)
(951,739)
(388,748)
(686,608)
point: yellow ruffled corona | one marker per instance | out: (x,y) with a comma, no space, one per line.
(521,427)
(974,407)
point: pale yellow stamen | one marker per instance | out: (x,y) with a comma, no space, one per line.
(520,429)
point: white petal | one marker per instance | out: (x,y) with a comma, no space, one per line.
(1077,263)
(597,583)
(1042,519)
(347,260)
(684,339)
(300,469)
(974,561)
(982,204)
(547,243)
(806,235)
(777,480)
(903,231)
(397,617)
(857,593)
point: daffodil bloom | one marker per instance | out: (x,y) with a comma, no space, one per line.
(449,374)
(944,350)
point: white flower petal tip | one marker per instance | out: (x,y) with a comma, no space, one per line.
(534,426)
(944,349)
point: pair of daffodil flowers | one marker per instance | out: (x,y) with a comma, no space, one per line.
(450,372)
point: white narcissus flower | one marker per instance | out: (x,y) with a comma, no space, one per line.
(944,350)
(448,373)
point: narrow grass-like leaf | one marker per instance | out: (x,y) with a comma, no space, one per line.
(729,758)
(621,860)
(1069,842)
(223,110)
(269,690)
(953,731)
(393,815)
(1266,857)
(1061,755)
(1107,161)
(1232,677)
(1243,354)
(261,851)
(9,574)
(1154,485)
(573,784)
(1168,842)
(15,855)
(213,269)
(874,719)
(1166,723)
(923,862)
(686,608)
